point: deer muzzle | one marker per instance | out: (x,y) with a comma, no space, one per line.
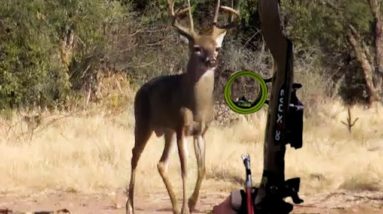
(211,61)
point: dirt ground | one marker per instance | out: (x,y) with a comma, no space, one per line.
(338,202)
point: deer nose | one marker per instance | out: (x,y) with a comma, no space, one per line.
(211,61)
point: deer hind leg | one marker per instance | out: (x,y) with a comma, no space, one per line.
(163,167)
(142,134)
(199,148)
(181,144)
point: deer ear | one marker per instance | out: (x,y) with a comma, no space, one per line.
(219,39)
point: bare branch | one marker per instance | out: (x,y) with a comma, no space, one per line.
(349,122)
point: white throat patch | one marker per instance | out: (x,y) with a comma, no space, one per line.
(209,72)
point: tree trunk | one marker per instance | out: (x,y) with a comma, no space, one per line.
(378,37)
(364,58)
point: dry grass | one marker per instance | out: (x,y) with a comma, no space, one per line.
(91,152)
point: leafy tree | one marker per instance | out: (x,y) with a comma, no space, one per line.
(344,32)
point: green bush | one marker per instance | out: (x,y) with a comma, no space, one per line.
(31,69)
(51,51)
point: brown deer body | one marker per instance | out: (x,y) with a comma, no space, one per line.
(178,106)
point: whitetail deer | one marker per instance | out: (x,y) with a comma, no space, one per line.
(181,105)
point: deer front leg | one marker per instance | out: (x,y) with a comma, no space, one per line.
(163,168)
(199,148)
(181,144)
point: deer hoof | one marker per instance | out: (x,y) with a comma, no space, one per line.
(185,210)
(129,208)
(192,204)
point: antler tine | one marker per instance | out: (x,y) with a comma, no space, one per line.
(188,32)
(191,17)
(216,12)
(230,10)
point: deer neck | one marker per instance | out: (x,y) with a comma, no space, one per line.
(199,86)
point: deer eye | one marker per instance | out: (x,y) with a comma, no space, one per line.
(217,49)
(197,49)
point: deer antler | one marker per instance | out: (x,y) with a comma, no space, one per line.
(188,32)
(232,11)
